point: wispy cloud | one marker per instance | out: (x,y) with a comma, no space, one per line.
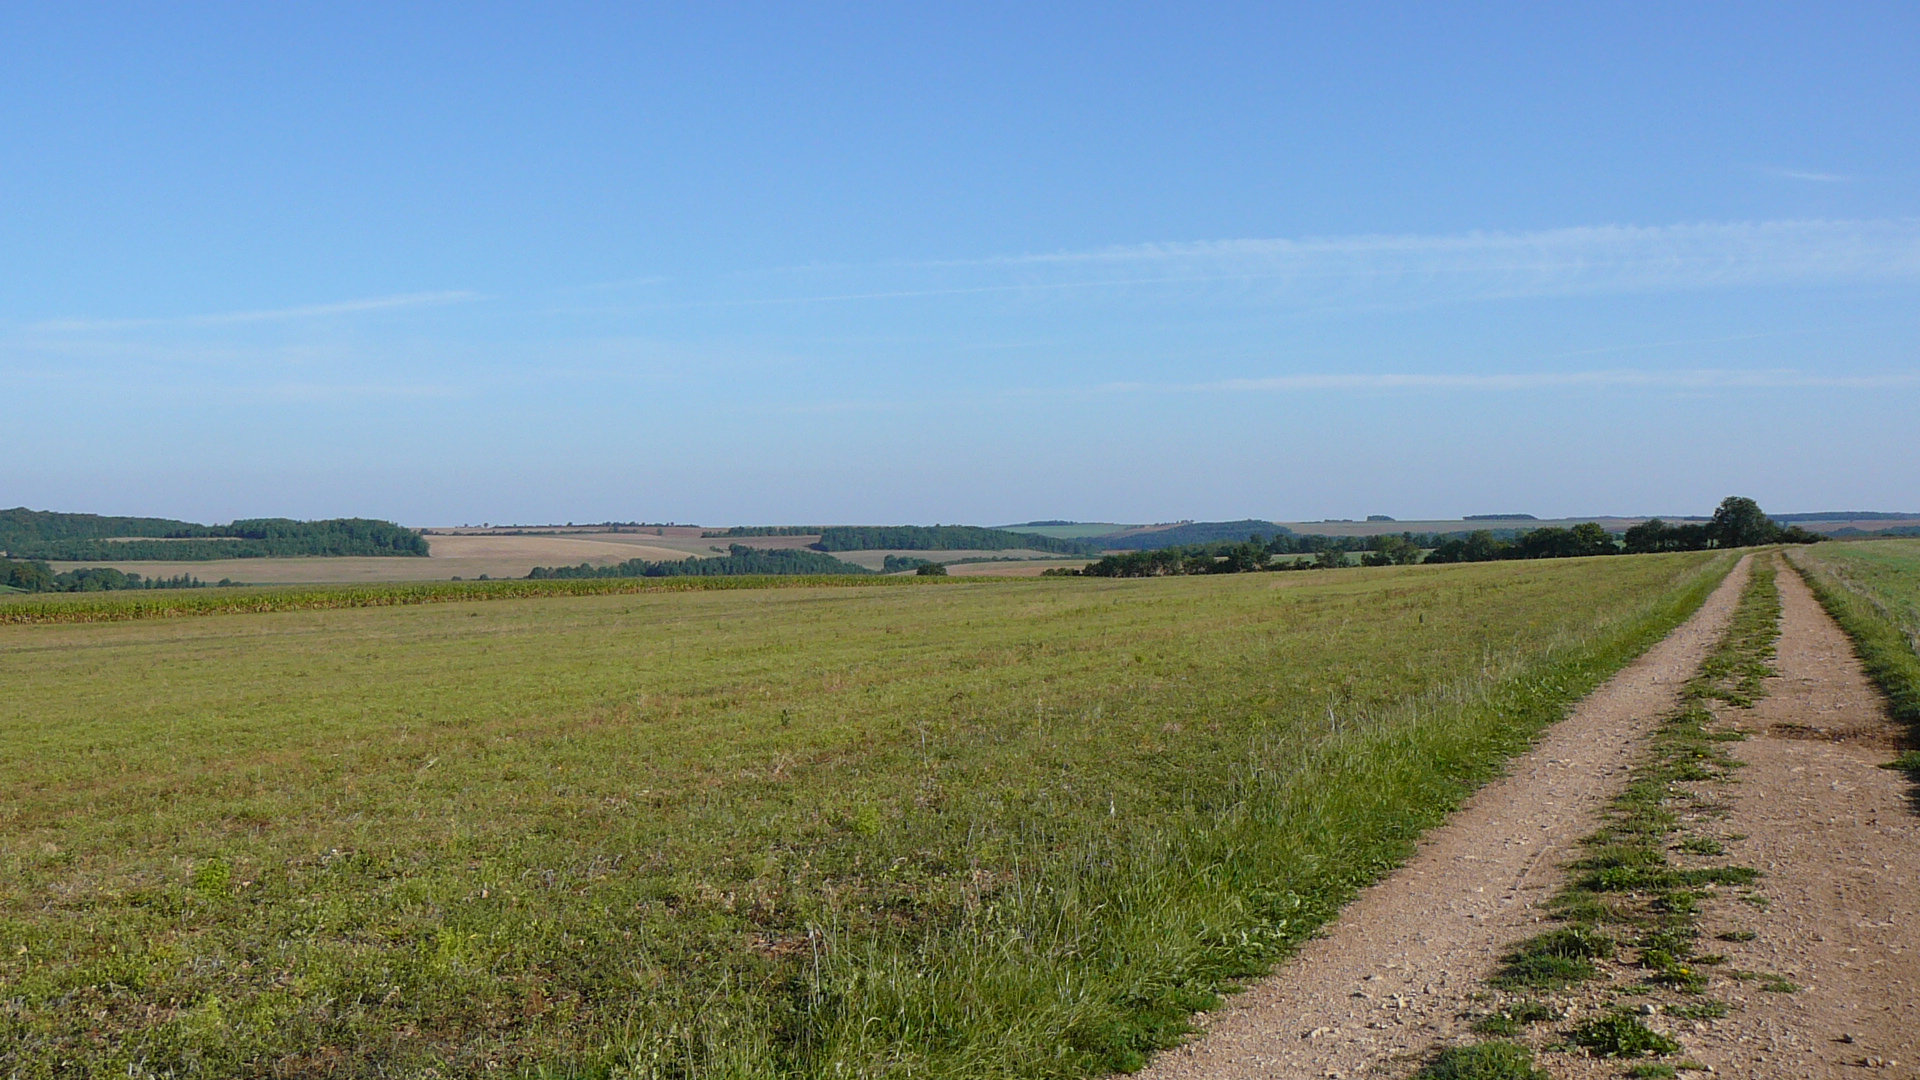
(1804,174)
(1703,379)
(228,318)
(1361,271)
(1607,258)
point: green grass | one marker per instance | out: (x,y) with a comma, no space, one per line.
(1014,830)
(1872,590)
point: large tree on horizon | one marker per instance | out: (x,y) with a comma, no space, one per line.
(1739,522)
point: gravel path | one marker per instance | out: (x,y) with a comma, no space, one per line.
(1388,981)
(1838,841)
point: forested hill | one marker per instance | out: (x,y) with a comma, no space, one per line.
(1193,532)
(942,538)
(39,534)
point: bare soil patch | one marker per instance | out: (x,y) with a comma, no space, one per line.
(1394,978)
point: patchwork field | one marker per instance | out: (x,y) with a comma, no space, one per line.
(994,829)
(507,555)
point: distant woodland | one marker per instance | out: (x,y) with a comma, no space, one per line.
(763,530)
(41,535)
(739,559)
(31,576)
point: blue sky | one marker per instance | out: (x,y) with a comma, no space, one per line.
(728,263)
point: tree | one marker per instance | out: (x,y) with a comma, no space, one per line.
(1739,522)
(1590,539)
(1390,550)
(1481,547)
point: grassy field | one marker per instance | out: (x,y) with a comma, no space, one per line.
(1872,588)
(1014,828)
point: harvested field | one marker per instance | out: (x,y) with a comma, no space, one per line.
(1019,828)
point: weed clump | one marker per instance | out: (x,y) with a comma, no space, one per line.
(1514,1018)
(1483,1061)
(1554,959)
(1622,1035)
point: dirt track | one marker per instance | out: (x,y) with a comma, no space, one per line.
(1389,980)
(1392,979)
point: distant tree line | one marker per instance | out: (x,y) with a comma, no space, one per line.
(762,530)
(895,564)
(33,534)
(1255,553)
(34,576)
(1553,542)
(740,559)
(1738,522)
